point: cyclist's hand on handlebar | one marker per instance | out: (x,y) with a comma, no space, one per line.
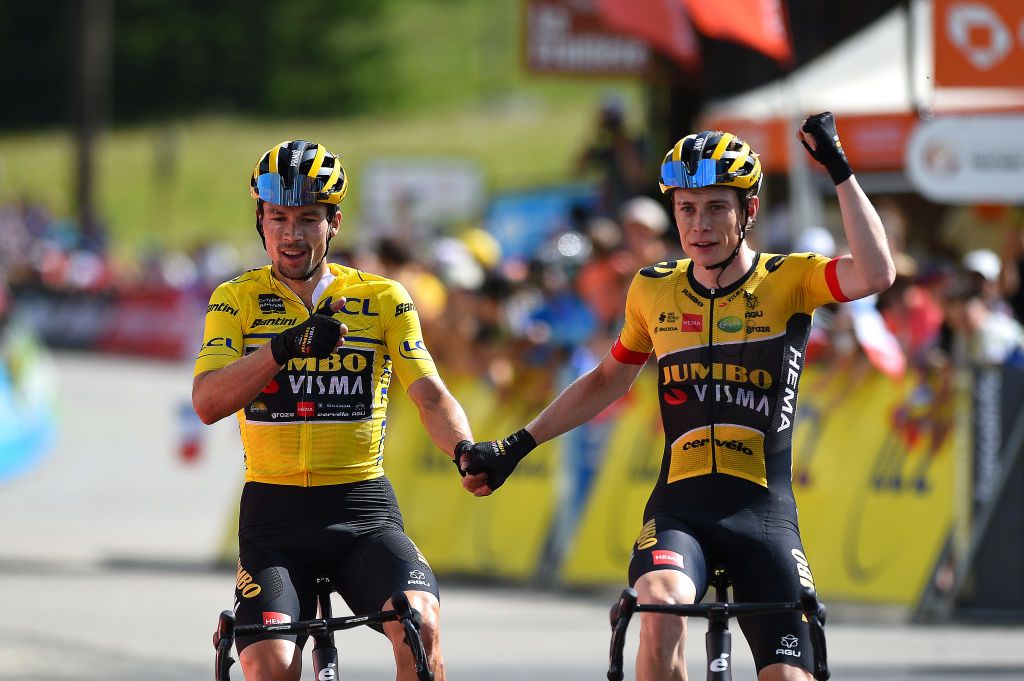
(818,135)
(487,465)
(317,337)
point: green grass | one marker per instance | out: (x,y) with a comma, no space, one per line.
(463,95)
(204,194)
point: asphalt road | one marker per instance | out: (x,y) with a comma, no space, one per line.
(107,569)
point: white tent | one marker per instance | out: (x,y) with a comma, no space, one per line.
(869,73)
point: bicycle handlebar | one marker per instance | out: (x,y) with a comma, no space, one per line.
(403,612)
(809,605)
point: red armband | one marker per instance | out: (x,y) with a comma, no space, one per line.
(832,279)
(627,356)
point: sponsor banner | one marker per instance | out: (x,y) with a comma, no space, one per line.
(501,536)
(165,324)
(968,159)
(869,139)
(570,37)
(613,516)
(873,476)
(978,43)
(160,323)
(874,481)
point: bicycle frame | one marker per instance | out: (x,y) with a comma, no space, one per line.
(321,630)
(718,640)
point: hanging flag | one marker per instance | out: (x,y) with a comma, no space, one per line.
(758,24)
(662,24)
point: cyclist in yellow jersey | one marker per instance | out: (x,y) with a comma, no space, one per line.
(303,352)
(728,327)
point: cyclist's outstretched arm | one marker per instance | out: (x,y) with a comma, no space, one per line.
(490,463)
(584,398)
(869,268)
(440,413)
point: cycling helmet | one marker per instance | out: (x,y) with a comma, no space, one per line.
(299,173)
(714,158)
(711,157)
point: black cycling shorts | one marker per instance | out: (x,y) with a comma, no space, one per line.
(352,534)
(764,559)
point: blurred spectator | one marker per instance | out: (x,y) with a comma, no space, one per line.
(985,268)
(911,312)
(427,290)
(602,280)
(815,240)
(645,225)
(616,156)
(985,335)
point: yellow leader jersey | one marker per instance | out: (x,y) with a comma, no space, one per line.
(729,363)
(319,421)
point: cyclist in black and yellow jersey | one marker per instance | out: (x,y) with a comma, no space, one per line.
(728,327)
(303,352)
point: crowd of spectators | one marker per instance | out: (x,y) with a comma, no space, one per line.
(498,317)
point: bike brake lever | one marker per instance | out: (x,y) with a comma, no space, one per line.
(412,621)
(816,613)
(620,615)
(223,639)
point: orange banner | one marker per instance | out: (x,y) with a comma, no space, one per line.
(660,23)
(874,143)
(758,24)
(979,43)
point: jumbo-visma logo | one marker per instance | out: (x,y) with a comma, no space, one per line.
(414,349)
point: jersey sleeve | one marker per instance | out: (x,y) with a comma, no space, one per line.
(403,336)
(633,346)
(222,336)
(820,283)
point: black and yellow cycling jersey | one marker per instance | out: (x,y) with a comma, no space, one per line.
(319,421)
(729,362)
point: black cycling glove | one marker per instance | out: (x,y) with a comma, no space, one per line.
(498,458)
(463,447)
(822,127)
(317,337)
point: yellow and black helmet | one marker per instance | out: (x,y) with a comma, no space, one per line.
(711,157)
(299,173)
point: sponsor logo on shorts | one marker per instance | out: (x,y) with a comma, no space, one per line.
(276,618)
(667,558)
(245,584)
(418,577)
(647,539)
(789,642)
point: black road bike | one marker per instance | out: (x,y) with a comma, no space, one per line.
(718,640)
(321,630)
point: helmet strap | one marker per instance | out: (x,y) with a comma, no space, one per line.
(744,226)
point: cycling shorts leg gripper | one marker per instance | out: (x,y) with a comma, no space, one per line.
(378,566)
(270,588)
(668,544)
(772,569)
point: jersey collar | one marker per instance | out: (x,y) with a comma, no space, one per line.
(701,290)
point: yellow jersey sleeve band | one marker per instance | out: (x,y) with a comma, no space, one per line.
(318,421)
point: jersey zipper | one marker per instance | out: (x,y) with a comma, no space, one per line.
(306,444)
(305,436)
(713,386)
